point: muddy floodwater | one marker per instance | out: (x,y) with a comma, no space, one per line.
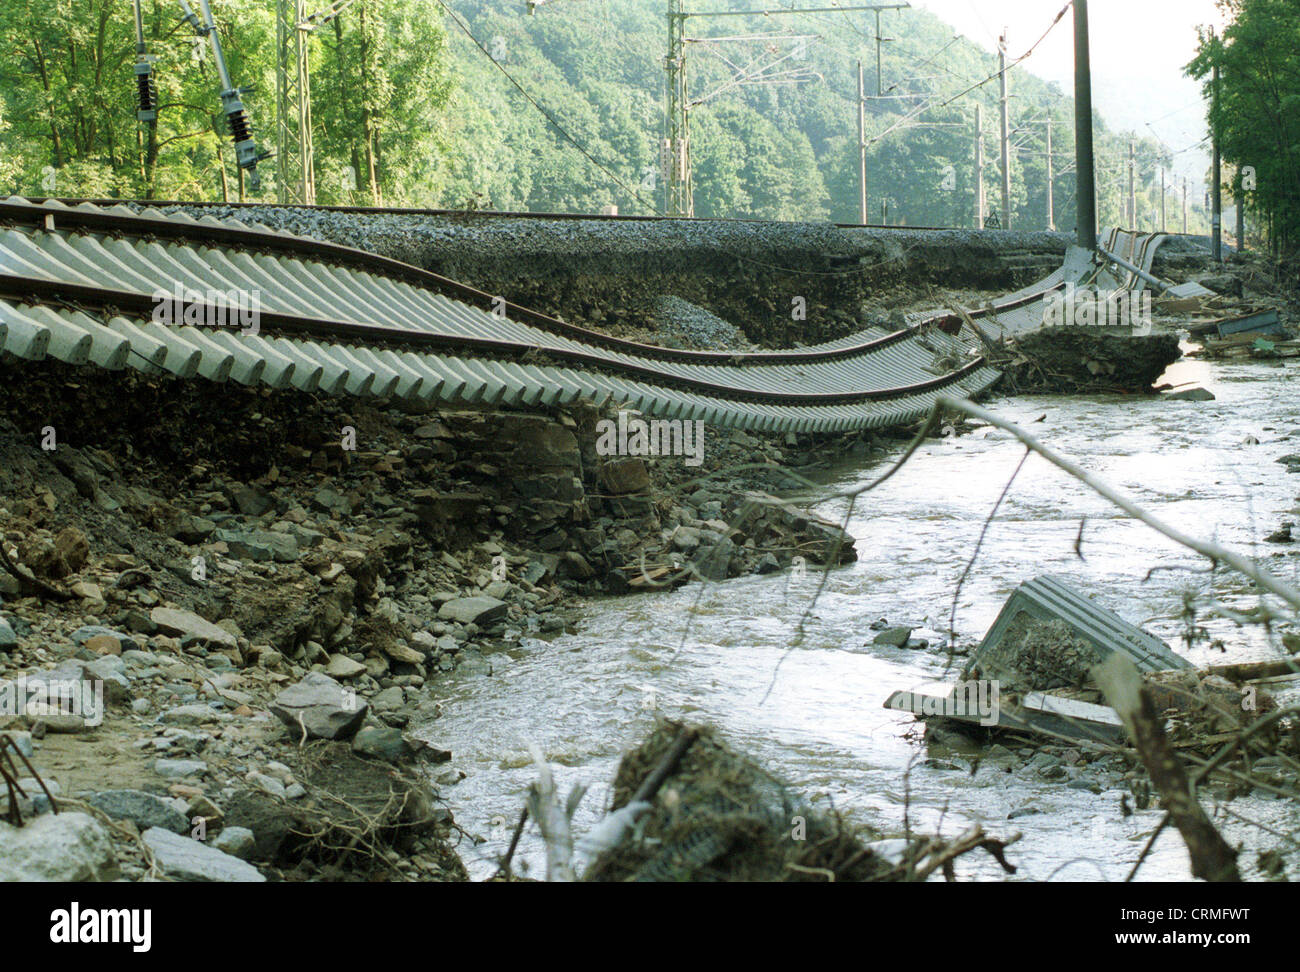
(713,654)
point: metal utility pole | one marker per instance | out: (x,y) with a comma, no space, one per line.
(979,166)
(1051,202)
(1087,182)
(1006,132)
(680,202)
(1163,213)
(293,138)
(1216,173)
(1184,205)
(862,149)
(880,83)
(679,195)
(294,143)
(1132,184)
(1241,216)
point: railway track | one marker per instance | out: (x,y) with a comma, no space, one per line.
(82,284)
(445,213)
(487,213)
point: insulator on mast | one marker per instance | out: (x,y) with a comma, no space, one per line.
(247,154)
(147,91)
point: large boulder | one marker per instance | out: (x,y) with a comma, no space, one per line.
(57,847)
(187,624)
(185,859)
(259,545)
(624,475)
(321,706)
(473,610)
(143,809)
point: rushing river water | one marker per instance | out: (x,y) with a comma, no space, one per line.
(584,698)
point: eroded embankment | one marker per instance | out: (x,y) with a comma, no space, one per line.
(610,274)
(200,549)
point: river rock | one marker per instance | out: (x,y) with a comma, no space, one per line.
(686,538)
(473,610)
(381,743)
(236,841)
(402,652)
(714,561)
(321,706)
(185,859)
(341,666)
(260,545)
(894,637)
(57,847)
(186,624)
(267,784)
(1281,535)
(86,633)
(23,741)
(194,714)
(180,769)
(8,639)
(143,809)
(1191,395)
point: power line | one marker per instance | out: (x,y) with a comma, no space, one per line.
(978,84)
(549,117)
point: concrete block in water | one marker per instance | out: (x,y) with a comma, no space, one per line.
(1102,631)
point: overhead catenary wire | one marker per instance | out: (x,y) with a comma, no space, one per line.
(979,84)
(547,114)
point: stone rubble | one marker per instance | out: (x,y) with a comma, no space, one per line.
(237,581)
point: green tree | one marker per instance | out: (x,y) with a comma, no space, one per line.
(1256,115)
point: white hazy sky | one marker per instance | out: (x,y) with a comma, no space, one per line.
(1139,48)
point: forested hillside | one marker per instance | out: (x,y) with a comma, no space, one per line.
(400,88)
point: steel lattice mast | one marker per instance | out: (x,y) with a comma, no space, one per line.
(293,138)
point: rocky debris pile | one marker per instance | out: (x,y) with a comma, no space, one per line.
(217,788)
(705,812)
(679,323)
(1072,360)
(240,580)
(719,816)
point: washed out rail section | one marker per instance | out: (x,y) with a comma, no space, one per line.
(81,284)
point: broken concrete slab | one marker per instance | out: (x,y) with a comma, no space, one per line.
(1034,712)
(1025,656)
